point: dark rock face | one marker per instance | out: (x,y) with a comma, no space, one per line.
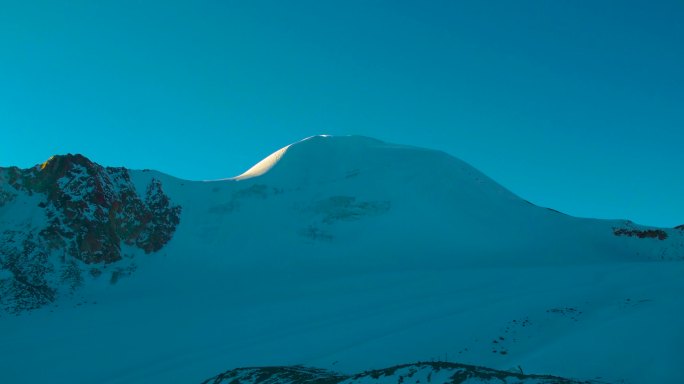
(28,264)
(280,375)
(91,210)
(680,227)
(432,372)
(642,234)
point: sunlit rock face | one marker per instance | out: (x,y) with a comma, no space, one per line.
(87,212)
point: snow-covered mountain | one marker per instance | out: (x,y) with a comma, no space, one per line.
(342,253)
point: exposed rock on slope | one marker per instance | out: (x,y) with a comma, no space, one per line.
(433,372)
(86,213)
(642,234)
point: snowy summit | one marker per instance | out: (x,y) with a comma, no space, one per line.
(345,254)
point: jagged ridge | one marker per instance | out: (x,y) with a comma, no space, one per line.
(421,372)
(90,212)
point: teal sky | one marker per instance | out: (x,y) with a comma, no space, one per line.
(576,105)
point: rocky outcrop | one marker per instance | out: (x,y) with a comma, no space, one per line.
(92,209)
(27,266)
(90,212)
(424,372)
(642,234)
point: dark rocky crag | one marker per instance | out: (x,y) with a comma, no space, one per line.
(90,212)
(642,234)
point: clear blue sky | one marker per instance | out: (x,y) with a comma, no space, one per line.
(574,105)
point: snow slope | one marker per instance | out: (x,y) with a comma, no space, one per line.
(351,254)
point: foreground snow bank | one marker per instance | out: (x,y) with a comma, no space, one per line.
(423,372)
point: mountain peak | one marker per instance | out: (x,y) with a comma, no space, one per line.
(60,162)
(358,140)
(86,213)
(325,157)
(309,151)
